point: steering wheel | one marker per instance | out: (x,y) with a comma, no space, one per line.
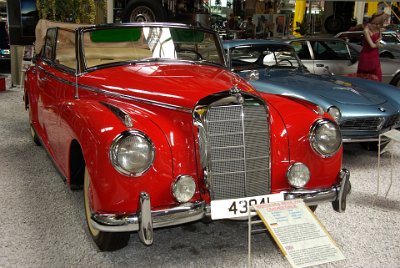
(291,64)
(198,55)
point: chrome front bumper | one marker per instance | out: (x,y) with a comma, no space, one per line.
(336,194)
(146,220)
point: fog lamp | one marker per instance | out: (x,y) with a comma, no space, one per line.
(298,175)
(184,188)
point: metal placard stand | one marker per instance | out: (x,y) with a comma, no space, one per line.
(394,135)
(251,231)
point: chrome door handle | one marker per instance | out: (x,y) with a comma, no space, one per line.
(319,65)
(44,78)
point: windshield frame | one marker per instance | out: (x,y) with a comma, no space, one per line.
(259,47)
(83,68)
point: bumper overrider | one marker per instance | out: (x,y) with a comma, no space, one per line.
(146,220)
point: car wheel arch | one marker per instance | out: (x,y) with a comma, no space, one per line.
(396,80)
(76,165)
(386,54)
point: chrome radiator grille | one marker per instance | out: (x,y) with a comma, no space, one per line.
(239,151)
(370,123)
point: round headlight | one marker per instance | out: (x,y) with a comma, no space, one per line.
(184,188)
(335,113)
(325,137)
(298,175)
(132,153)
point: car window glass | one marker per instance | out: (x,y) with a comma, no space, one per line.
(390,39)
(302,50)
(274,56)
(65,49)
(330,50)
(50,44)
(110,46)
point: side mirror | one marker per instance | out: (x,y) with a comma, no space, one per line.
(252,75)
(353,60)
(326,69)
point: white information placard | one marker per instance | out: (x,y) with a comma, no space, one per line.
(299,234)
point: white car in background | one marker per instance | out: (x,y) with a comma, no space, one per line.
(328,55)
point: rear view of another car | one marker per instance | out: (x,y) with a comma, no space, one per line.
(5,62)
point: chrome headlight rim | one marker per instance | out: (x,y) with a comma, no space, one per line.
(115,147)
(313,138)
(289,172)
(175,185)
(331,111)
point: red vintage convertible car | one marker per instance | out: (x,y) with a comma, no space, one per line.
(150,122)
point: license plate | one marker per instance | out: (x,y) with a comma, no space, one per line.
(234,208)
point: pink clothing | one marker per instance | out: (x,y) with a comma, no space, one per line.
(369,63)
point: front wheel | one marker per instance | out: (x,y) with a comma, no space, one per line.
(106,241)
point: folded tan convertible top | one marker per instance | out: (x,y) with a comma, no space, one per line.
(43,25)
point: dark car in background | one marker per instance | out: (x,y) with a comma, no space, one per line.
(5,62)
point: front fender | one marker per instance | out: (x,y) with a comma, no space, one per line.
(95,127)
(298,119)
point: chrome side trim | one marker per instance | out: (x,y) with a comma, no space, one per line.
(56,77)
(127,97)
(121,114)
(117,95)
(183,213)
(352,140)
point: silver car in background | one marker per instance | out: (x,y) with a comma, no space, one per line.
(390,41)
(322,55)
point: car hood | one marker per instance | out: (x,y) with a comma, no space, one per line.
(303,85)
(181,85)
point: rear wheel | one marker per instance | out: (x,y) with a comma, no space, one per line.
(106,241)
(35,137)
(373,146)
(141,11)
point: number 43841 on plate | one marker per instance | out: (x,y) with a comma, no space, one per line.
(234,208)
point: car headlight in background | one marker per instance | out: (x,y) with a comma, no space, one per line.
(298,175)
(132,153)
(335,113)
(325,137)
(184,188)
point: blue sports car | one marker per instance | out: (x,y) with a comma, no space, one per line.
(363,108)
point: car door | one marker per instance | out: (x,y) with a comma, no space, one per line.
(47,114)
(332,56)
(303,51)
(50,95)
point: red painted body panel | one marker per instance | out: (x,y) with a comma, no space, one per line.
(59,119)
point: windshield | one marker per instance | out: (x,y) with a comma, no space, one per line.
(154,43)
(271,56)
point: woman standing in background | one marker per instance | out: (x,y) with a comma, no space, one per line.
(369,65)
